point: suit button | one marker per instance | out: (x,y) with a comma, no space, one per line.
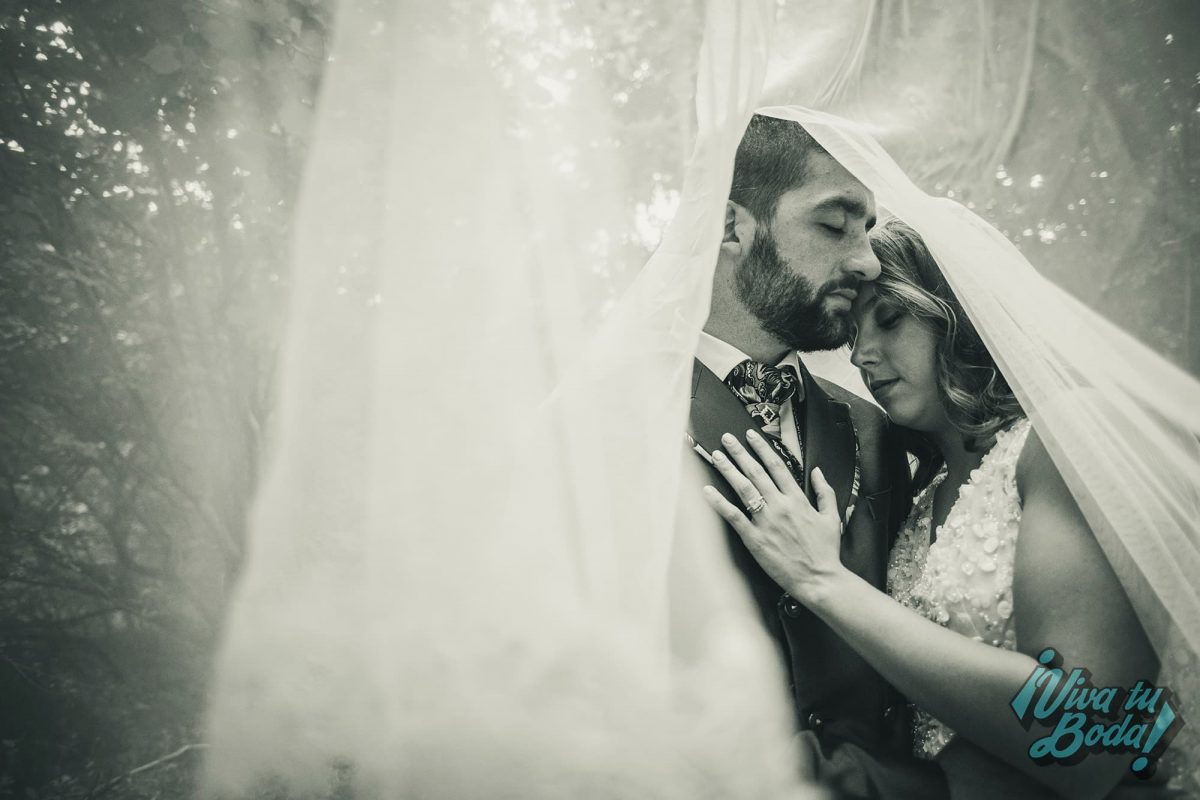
(815,722)
(791,606)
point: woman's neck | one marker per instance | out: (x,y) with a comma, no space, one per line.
(959,460)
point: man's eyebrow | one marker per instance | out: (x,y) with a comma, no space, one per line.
(851,205)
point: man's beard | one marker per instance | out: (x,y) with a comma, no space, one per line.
(786,304)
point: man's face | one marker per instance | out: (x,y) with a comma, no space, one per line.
(803,270)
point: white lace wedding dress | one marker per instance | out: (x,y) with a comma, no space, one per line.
(963,578)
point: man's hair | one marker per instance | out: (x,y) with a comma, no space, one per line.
(772,159)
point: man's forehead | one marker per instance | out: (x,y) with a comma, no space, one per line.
(828,181)
(817,198)
(859,204)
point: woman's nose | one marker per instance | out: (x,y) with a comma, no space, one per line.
(863,355)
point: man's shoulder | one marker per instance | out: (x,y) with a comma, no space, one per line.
(862,411)
(881,455)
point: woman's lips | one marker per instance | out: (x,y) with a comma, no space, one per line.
(881,387)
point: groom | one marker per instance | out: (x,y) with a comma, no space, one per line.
(794,253)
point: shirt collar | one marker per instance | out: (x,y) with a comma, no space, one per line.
(721,357)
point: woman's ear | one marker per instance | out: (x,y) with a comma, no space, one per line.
(739,229)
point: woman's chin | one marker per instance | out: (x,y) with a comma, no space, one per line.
(901,413)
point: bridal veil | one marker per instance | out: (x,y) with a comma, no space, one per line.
(468,573)
(1121,423)
(457,581)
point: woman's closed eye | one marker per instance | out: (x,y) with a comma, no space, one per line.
(887,317)
(834,229)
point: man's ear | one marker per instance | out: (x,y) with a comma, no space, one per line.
(730,220)
(739,229)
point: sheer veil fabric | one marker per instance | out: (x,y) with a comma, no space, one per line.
(464,576)
(1121,423)
(464,547)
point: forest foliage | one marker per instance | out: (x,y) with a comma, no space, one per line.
(149,160)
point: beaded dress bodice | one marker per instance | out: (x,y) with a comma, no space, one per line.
(963,579)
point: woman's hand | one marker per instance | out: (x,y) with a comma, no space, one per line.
(796,544)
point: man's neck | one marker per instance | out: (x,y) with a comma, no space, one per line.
(750,339)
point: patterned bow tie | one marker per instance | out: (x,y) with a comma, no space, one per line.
(764,388)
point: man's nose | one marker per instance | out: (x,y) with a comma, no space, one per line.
(862,262)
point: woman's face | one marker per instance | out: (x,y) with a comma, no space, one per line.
(895,352)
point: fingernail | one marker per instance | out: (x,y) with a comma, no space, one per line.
(751,434)
(718,455)
(728,438)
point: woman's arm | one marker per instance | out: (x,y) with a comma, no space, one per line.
(1066,595)
(966,684)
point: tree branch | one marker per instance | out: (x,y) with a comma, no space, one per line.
(1021,102)
(158,762)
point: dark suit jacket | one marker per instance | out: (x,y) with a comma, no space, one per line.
(838,696)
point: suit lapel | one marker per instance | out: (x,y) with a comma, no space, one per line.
(716,410)
(828,441)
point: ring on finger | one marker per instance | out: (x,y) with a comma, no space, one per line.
(756,505)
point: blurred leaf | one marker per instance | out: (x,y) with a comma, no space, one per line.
(163,59)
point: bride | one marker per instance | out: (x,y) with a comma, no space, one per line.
(995,562)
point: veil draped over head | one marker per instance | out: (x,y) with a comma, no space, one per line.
(468,572)
(1121,423)
(457,578)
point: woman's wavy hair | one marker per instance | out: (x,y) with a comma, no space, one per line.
(974,393)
